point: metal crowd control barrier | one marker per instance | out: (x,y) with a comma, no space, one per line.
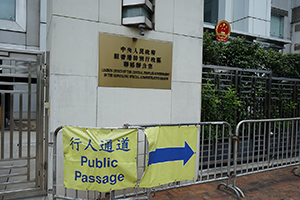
(61,192)
(214,163)
(266,145)
(214,158)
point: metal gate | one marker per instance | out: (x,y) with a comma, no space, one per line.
(23,166)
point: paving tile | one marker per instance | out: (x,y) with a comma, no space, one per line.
(279,184)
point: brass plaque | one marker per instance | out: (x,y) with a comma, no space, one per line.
(134,63)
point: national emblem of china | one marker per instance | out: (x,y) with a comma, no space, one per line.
(223,31)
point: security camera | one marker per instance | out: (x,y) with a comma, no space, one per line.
(142,28)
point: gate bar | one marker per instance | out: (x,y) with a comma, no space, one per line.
(28,123)
(20,124)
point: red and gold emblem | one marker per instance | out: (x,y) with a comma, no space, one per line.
(223,30)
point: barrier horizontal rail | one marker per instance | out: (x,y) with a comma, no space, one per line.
(266,145)
(213,160)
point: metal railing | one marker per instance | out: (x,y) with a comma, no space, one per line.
(261,94)
(214,160)
(267,144)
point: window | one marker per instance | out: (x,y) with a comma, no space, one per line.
(296,14)
(277,19)
(138,12)
(13,15)
(211,11)
(277,26)
(7,10)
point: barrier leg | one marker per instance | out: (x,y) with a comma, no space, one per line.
(148,193)
(112,195)
(235,189)
(297,170)
(240,191)
(297,167)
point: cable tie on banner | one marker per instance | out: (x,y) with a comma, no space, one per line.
(153,191)
(126,126)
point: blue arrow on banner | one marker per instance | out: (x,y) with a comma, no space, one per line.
(169,154)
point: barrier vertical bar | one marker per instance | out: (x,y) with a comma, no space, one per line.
(259,135)
(202,152)
(209,149)
(248,147)
(253,146)
(222,157)
(216,151)
(274,144)
(137,160)
(235,152)
(299,141)
(279,144)
(269,143)
(146,146)
(292,141)
(242,153)
(296,138)
(54,158)
(287,145)
(197,154)
(264,145)
(229,156)
(283,138)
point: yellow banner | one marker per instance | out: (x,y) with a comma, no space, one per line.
(99,159)
(171,155)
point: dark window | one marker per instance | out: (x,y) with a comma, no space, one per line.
(276,26)
(211,11)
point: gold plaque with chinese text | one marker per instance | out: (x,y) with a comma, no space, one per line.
(134,63)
